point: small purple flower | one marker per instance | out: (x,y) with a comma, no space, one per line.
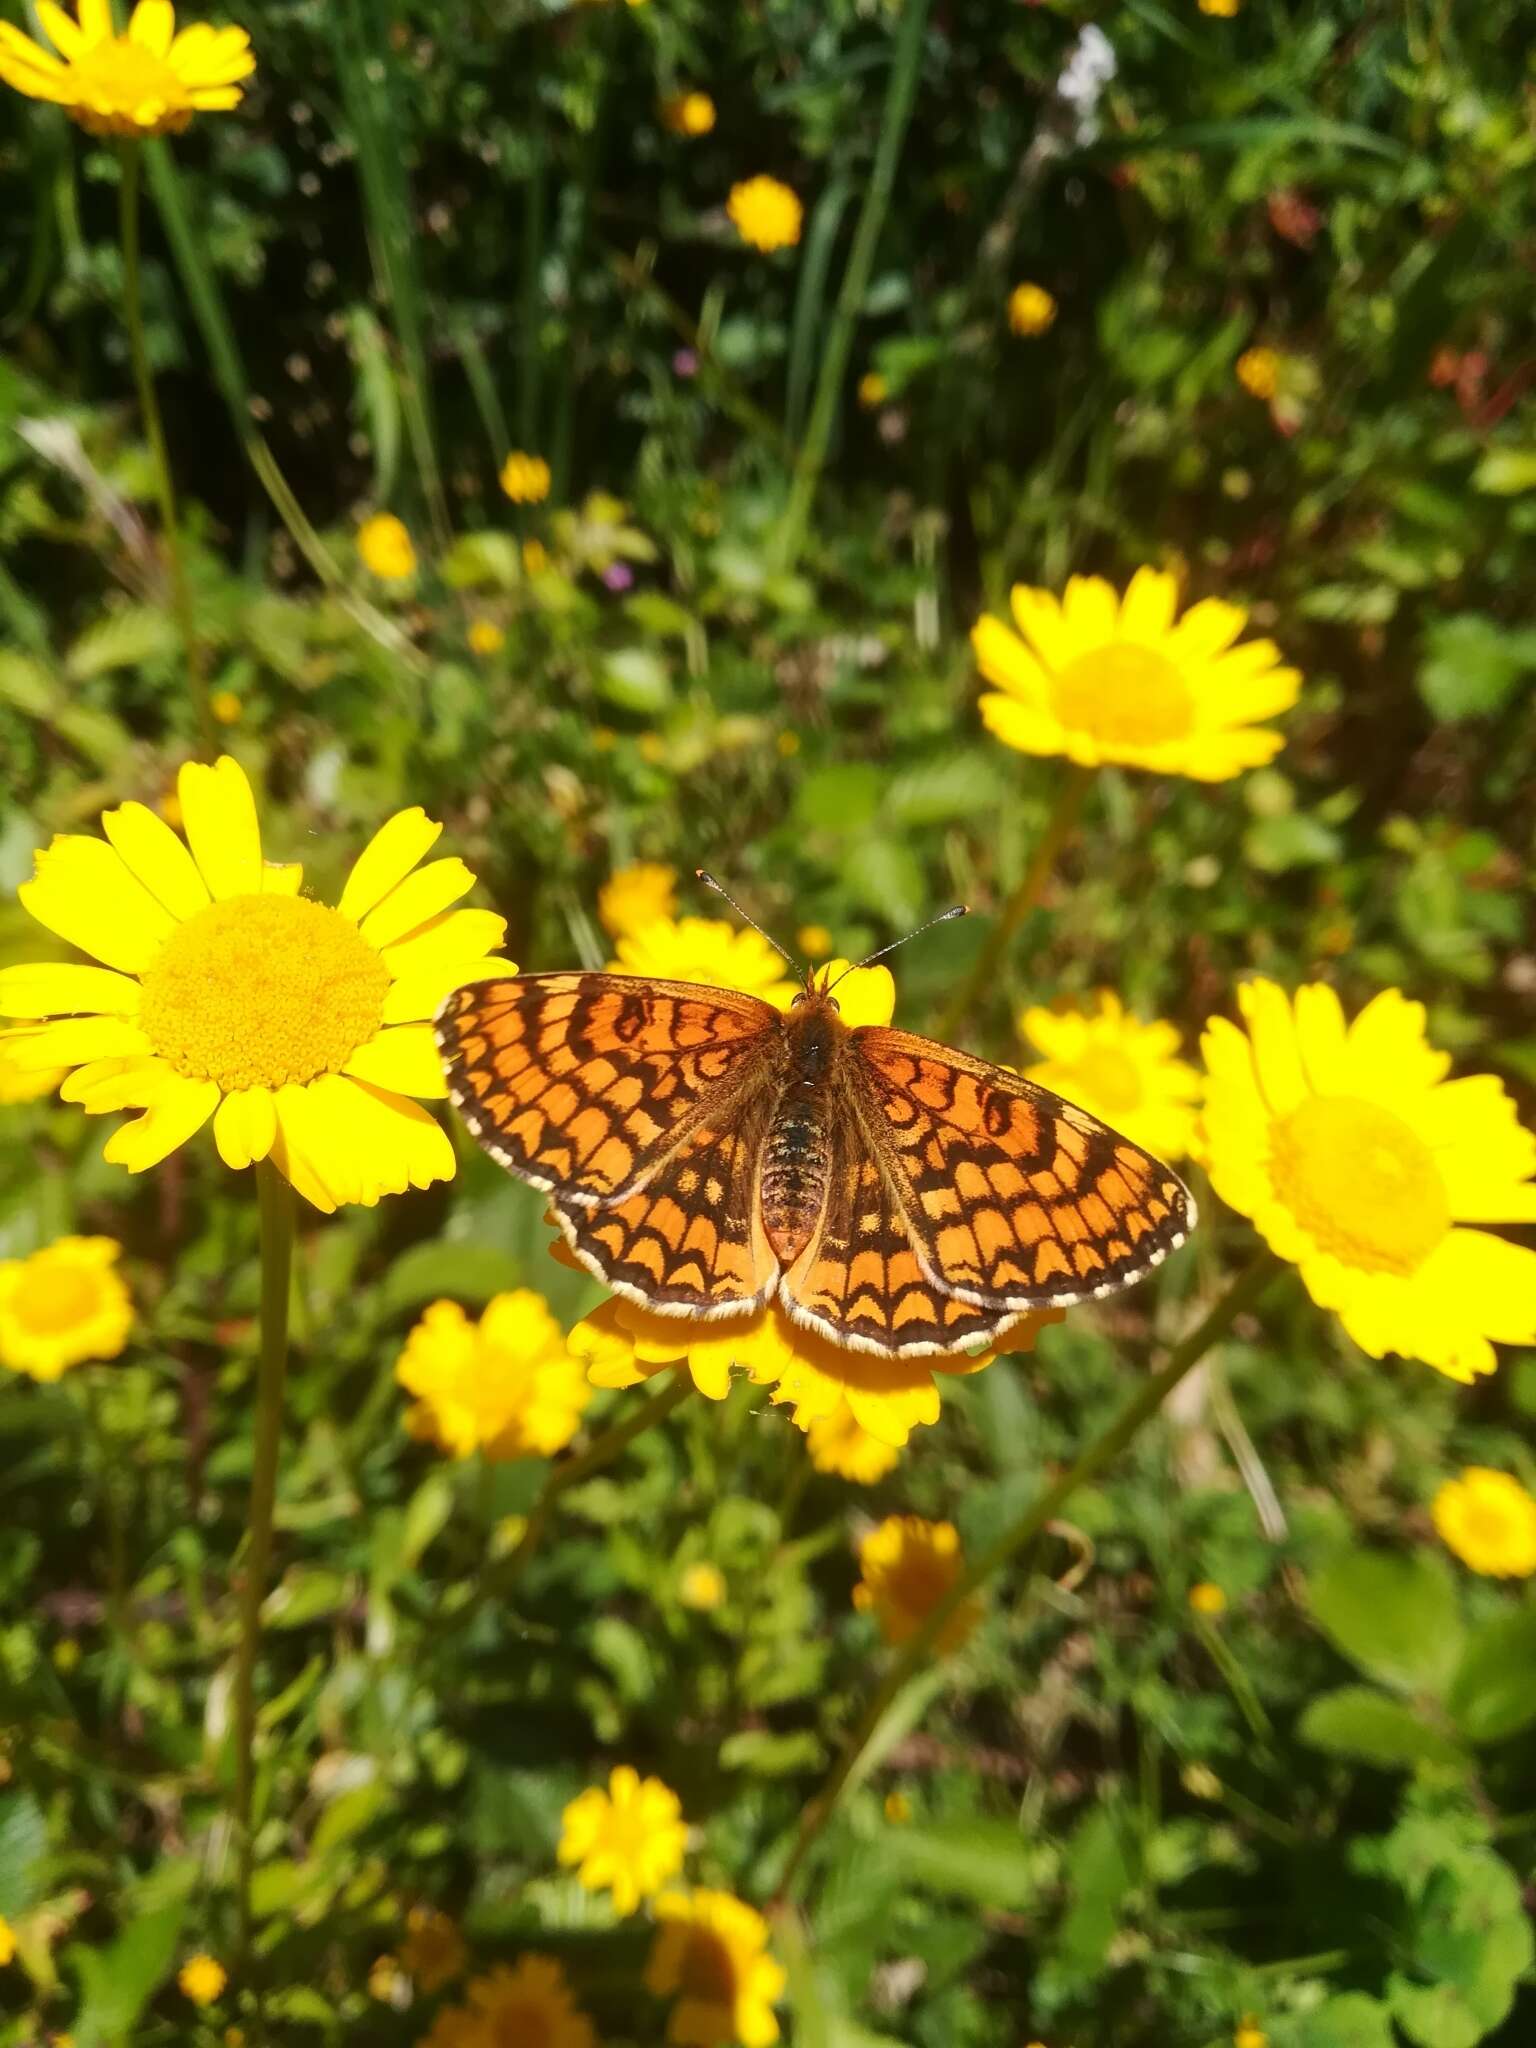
(618,576)
(685,363)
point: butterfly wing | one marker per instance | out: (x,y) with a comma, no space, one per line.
(1014,1199)
(640,1107)
(860,1281)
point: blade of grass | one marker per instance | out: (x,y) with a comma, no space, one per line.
(378,399)
(204,294)
(530,342)
(811,299)
(365,65)
(900,95)
(482,386)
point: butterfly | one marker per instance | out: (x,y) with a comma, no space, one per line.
(705,1153)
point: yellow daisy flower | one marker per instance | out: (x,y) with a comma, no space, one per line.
(7,1942)
(525,478)
(300,1030)
(1207,1600)
(485,637)
(63,1306)
(873,389)
(1249,2033)
(150,81)
(839,1443)
(1223,10)
(384,542)
(703,1588)
(1123,1070)
(1489,1520)
(433,1951)
(628,1841)
(814,940)
(707,950)
(529,2003)
(1107,679)
(688,113)
(1258,371)
(765,213)
(508,1386)
(898,1808)
(226,707)
(711,1955)
(1359,1162)
(906,1567)
(636,896)
(202,1979)
(1031,309)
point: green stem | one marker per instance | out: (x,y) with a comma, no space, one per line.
(900,93)
(111,1503)
(276,1200)
(149,408)
(1070,796)
(600,1452)
(1143,1404)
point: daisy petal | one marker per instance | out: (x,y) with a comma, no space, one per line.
(1389,1053)
(245,1127)
(1023,727)
(293,1150)
(416,901)
(1320,1034)
(387,859)
(219,816)
(416,998)
(1038,616)
(152,25)
(1276,1057)
(456,935)
(1091,611)
(83,892)
(60,989)
(1003,659)
(63,33)
(123,1083)
(369,1143)
(178,1112)
(1147,609)
(281,877)
(1207,629)
(71,1041)
(95,20)
(404,1060)
(152,852)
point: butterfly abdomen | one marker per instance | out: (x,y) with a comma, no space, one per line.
(797,1157)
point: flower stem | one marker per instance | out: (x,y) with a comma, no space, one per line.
(149,408)
(1143,1404)
(276,1201)
(600,1452)
(1059,827)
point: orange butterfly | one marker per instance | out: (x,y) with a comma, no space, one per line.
(704,1152)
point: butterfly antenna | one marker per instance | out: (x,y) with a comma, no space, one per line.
(710,883)
(944,916)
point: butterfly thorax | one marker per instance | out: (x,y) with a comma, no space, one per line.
(797,1157)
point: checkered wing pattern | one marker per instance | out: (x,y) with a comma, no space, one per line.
(641,1107)
(860,1281)
(1013,1199)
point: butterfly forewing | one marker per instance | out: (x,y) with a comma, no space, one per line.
(585,1083)
(1014,1199)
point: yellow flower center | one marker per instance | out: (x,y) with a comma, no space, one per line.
(123,78)
(1110,1078)
(261,990)
(709,1969)
(1362,1183)
(51,1299)
(1124,695)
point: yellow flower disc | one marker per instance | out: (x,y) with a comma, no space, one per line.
(258,991)
(1360,1182)
(1125,696)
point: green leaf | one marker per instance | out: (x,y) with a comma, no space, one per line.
(1099,1875)
(26,684)
(1352,2020)
(771,1756)
(127,638)
(467,1273)
(1358,1721)
(117,1982)
(1473,665)
(1493,1695)
(1505,472)
(987,1861)
(1395,1616)
(635,679)
(23,1845)
(347,1815)
(304,1594)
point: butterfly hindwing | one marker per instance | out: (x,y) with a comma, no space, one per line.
(584,1084)
(1014,1198)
